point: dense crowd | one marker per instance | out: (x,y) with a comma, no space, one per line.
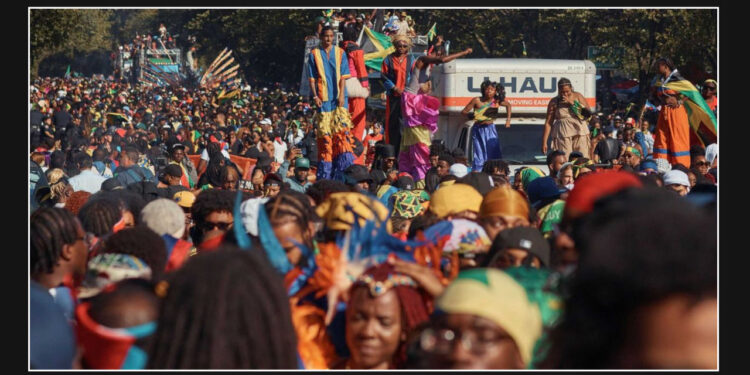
(174,229)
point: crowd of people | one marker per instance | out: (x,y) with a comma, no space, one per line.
(174,229)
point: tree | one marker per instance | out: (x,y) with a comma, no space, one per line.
(67,31)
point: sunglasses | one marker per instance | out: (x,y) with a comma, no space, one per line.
(221,226)
(702,164)
(710,87)
(400,45)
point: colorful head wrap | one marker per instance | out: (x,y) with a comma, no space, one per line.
(529,174)
(581,163)
(504,201)
(409,203)
(494,295)
(454,199)
(339,209)
(459,235)
(106,269)
(632,150)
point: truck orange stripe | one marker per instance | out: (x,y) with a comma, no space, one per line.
(514,102)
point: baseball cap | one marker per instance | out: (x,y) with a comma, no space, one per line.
(523,238)
(184,199)
(541,189)
(357,173)
(459,170)
(676,177)
(302,163)
(173,170)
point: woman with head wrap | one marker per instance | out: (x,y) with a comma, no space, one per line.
(384,307)
(501,209)
(498,319)
(406,205)
(582,167)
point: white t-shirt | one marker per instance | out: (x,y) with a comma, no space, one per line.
(204,155)
(279,150)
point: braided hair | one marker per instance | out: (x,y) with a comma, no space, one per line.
(238,318)
(98,216)
(51,229)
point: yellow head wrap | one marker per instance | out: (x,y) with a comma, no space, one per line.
(339,209)
(504,201)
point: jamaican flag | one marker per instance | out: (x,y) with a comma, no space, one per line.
(701,118)
(376,46)
(432,32)
(114,118)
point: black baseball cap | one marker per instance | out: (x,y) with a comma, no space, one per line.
(523,238)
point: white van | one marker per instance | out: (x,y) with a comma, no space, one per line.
(529,86)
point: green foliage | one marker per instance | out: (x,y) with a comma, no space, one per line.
(268,43)
(68,31)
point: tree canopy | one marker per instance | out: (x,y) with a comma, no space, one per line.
(269,43)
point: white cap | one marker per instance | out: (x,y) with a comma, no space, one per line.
(265,121)
(164,216)
(249,209)
(459,170)
(676,177)
(711,152)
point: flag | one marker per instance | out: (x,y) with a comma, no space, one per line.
(67,72)
(432,32)
(114,118)
(375,46)
(700,116)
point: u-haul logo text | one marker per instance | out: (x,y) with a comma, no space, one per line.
(515,85)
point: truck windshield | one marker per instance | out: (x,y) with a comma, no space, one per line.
(521,143)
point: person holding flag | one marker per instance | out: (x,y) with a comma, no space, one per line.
(684,120)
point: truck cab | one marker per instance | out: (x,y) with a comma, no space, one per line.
(529,86)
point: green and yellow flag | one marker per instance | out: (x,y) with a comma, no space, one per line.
(701,117)
(432,33)
(375,46)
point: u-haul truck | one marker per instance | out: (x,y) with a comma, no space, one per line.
(529,86)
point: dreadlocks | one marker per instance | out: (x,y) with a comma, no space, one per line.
(51,228)
(98,216)
(238,318)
